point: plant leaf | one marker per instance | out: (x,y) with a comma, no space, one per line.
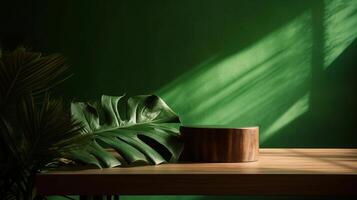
(23,73)
(39,135)
(123,129)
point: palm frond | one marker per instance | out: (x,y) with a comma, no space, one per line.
(33,132)
(23,72)
(50,130)
(43,133)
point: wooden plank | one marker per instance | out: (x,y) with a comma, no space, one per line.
(278,172)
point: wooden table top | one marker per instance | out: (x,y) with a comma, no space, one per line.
(278,172)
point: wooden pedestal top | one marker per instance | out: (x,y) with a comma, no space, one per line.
(278,172)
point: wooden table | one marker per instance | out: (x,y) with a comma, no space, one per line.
(278,172)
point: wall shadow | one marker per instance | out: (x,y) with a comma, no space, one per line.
(331,120)
(135,47)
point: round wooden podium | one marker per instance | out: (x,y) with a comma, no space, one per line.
(219,144)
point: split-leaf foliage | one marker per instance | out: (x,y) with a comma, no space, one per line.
(141,129)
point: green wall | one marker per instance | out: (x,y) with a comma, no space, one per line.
(287,66)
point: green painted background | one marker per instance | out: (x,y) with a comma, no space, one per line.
(287,66)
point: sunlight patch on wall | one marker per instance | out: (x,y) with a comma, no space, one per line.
(252,87)
(268,83)
(340,22)
(296,110)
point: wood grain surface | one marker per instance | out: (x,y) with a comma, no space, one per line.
(219,144)
(277,172)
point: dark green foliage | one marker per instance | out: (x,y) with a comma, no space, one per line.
(34,129)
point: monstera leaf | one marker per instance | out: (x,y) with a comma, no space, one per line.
(143,130)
